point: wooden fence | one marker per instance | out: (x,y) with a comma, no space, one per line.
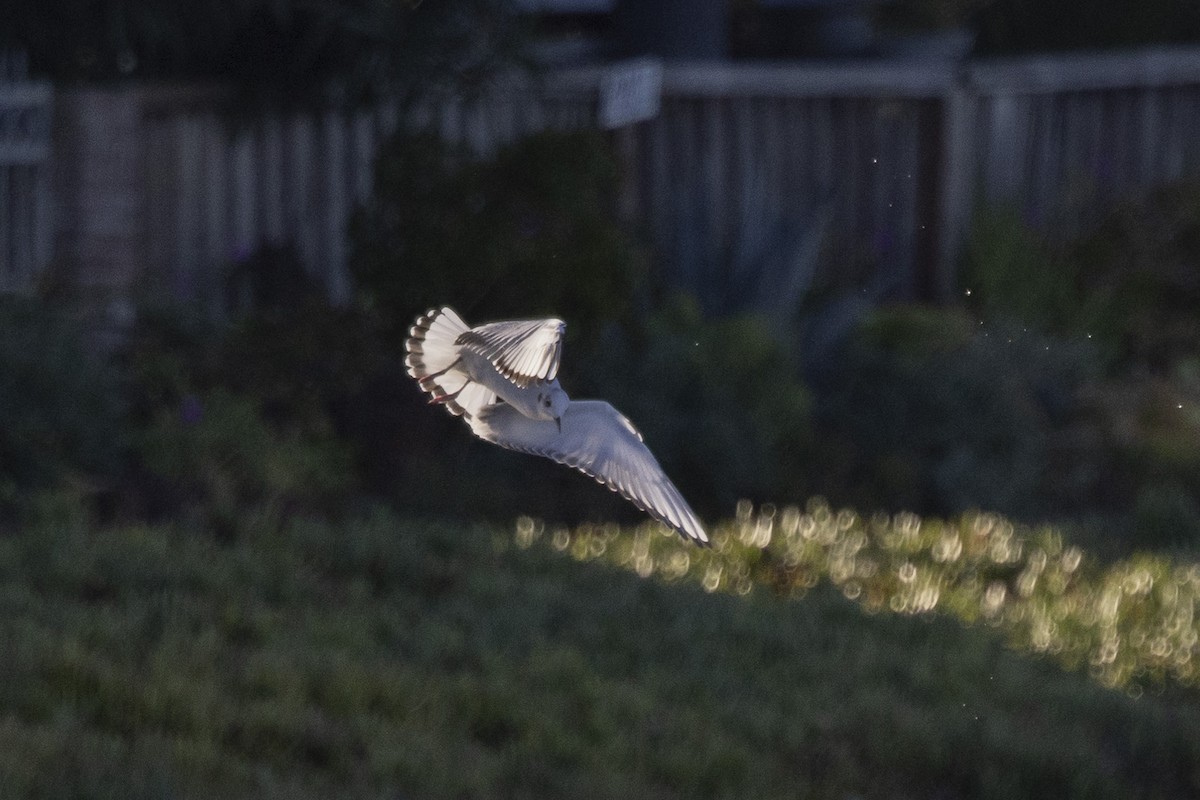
(753,181)
(749,170)
(25,221)
(218,187)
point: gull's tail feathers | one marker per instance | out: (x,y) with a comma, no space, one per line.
(433,359)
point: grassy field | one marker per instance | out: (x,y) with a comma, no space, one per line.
(392,658)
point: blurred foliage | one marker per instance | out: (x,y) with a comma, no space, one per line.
(1130,282)
(1141,265)
(60,415)
(1166,515)
(719,401)
(1008,26)
(532,231)
(931,411)
(270,279)
(287,49)
(381,657)
(1130,624)
(241,418)
(1153,428)
(227,468)
(1014,272)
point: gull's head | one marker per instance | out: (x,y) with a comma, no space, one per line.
(552,403)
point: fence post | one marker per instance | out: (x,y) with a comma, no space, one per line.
(954,185)
(26,109)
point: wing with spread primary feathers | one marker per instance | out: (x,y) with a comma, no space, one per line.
(523,351)
(598,441)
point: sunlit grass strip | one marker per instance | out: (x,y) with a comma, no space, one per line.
(1128,623)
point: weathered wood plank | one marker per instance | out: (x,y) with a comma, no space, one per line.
(956,176)
(10,273)
(215,202)
(735,152)
(865,79)
(303,212)
(337,207)
(185,206)
(271,184)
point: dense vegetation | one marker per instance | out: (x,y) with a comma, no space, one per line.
(1074,401)
(202,594)
(1129,623)
(382,658)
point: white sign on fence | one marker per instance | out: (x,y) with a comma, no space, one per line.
(630,91)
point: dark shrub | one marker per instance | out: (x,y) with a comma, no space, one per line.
(1141,267)
(60,418)
(719,402)
(238,420)
(531,232)
(1166,515)
(1130,282)
(933,412)
(227,468)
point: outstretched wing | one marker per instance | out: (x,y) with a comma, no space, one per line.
(523,351)
(598,441)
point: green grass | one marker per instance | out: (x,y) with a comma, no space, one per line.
(390,658)
(1132,623)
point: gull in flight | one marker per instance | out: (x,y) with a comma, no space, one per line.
(501,378)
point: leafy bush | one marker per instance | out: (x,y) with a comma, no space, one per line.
(60,418)
(1166,515)
(1153,429)
(271,279)
(239,418)
(931,411)
(1013,272)
(1128,284)
(719,401)
(1131,282)
(1141,267)
(226,466)
(530,232)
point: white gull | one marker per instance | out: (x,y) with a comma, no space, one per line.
(501,378)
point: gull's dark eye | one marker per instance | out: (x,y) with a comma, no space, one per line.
(546,402)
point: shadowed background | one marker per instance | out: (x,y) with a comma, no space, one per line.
(933,264)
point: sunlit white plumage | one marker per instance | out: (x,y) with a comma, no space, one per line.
(523,351)
(471,370)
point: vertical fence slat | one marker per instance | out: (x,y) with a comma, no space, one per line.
(243,209)
(1149,114)
(334,164)
(363,153)
(184,204)
(302,215)
(164,277)
(271,181)
(216,202)
(10,276)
